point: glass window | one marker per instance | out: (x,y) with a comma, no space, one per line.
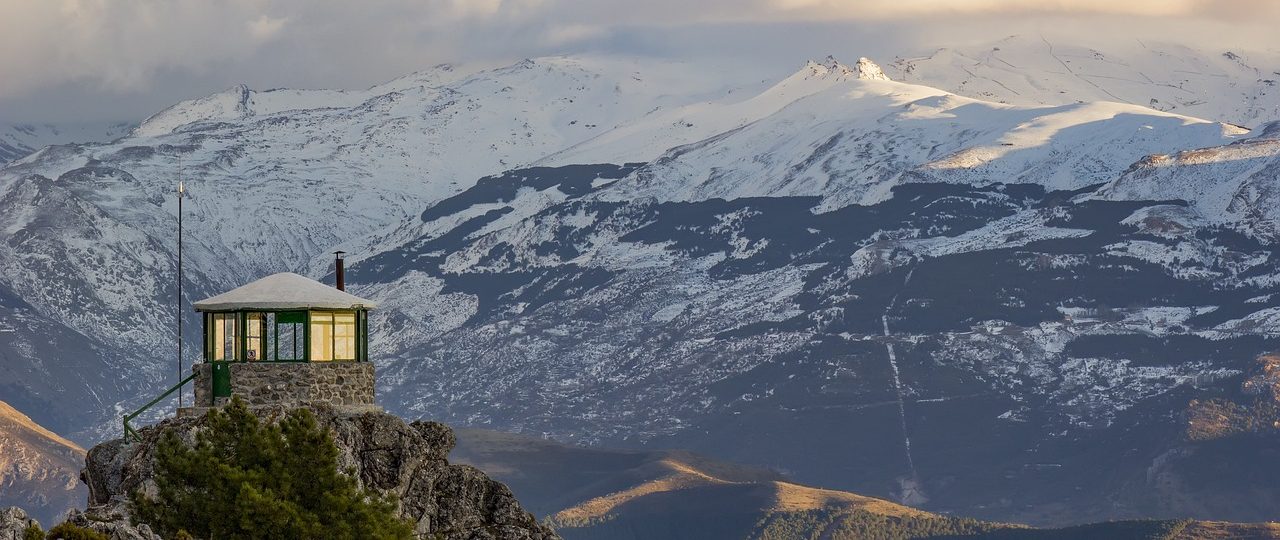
(215,340)
(321,336)
(224,337)
(269,336)
(290,340)
(344,336)
(253,334)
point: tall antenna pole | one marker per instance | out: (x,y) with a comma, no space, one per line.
(181,194)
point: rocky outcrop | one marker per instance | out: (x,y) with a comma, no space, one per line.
(14,522)
(384,453)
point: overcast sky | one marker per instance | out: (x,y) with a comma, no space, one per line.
(120,60)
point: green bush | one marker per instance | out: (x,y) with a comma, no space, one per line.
(32,532)
(244,479)
(68,531)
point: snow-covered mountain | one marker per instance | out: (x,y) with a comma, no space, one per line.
(1238,87)
(18,140)
(1234,185)
(89,229)
(874,285)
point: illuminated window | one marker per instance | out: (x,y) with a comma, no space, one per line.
(344,336)
(321,336)
(224,337)
(333,336)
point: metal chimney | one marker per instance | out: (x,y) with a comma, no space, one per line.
(341,282)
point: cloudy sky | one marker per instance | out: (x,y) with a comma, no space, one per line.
(120,60)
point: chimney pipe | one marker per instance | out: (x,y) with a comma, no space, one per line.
(341,283)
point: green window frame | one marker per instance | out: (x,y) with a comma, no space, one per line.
(286,336)
(292,325)
(334,336)
(221,330)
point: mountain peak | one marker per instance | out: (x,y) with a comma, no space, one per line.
(866,69)
(863,69)
(232,103)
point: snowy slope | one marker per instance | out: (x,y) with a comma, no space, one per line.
(240,102)
(1238,87)
(646,138)
(852,142)
(1236,184)
(18,140)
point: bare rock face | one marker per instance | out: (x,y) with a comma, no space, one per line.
(406,460)
(13,522)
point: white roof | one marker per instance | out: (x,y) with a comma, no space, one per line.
(285,290)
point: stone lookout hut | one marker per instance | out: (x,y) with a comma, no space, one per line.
(285,340)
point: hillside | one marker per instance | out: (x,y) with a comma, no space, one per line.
(39,470)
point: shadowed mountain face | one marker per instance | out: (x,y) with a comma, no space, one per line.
(39,471)
(997,311)
(1002,351)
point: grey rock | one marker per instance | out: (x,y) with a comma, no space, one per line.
(384,453)
(113,524)
(13,522)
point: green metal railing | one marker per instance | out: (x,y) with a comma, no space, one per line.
(128,430)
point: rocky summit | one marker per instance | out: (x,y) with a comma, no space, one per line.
(407,460)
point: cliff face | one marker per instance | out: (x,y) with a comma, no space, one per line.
(407,460)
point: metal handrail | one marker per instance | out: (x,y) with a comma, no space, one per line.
(128,430)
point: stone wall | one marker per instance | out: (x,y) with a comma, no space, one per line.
(203,385)
(292,384)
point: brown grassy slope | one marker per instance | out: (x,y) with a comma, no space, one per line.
(39,470)
(596,493)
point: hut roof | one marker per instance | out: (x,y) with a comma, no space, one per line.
(285,290)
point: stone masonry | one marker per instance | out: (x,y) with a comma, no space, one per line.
(343,385)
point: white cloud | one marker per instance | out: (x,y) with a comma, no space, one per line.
(264,27)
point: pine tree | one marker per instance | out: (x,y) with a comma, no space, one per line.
(244,479)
